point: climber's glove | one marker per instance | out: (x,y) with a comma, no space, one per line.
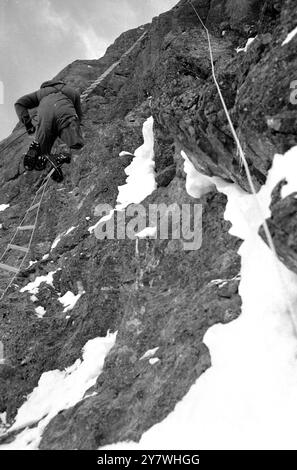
(28,125)
(30,128)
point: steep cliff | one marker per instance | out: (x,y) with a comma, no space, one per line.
(153,293)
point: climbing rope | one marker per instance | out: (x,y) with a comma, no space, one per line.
(248,173)
(15,270)
(14,140)
(97,82)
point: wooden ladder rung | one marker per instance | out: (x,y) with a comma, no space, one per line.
(45,181)
(33,207)
(26,227)
(17,247)
(6,267)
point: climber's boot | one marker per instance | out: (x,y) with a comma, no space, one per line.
(30,158)
(56,161)
(62,158)
(40,163)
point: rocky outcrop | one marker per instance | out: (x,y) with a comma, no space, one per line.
(161,295)
(283,226)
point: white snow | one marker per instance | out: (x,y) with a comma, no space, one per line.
(149,353)
(31,263)
(103,219)
(40,311)
(69,300)
(154,360)
(59,237)
(33,287)
(34,298)
(247,399)
(141,175)
(56,242)
(2,359)
(147,232)
(3,417)
(196,184)
(70,230)
(58,390)
(123,154)
(3,207)
(245,48)
(45,257)
(290,36)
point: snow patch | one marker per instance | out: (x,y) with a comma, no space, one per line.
(69,300)
(149,353)
(31,263)
(56,242)
(196,186)
(123,154)
(3,207)
(40,311)
(141,175)
(59,237)
(290,36)
(58,390)
(247,399)
(33,287)
(3,418)
(147,232)
(70,230)
(154,360)
(245,48)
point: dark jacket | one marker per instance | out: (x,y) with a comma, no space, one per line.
(65,98)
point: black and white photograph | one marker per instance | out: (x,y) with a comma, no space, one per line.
(148,230)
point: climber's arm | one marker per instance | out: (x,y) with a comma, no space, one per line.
(22,105)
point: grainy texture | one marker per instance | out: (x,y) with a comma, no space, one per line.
(162,297)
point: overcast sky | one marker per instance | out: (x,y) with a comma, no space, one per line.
(40,37)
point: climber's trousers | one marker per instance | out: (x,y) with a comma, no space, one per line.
(72,135)
(48,131)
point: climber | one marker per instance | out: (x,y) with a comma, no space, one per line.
(59,115)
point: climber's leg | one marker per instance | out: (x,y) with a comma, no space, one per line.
(46,133)
(72,134)
(32,155)
(43,142)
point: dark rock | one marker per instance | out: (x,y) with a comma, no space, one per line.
(163,295)
(6,371)
(283,226)
(166,176)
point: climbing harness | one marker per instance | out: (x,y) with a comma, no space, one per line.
(247,171)
(13,271)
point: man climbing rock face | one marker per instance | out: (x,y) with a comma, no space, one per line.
(59,115)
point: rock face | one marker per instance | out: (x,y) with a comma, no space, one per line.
(159,295)
(283,226)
